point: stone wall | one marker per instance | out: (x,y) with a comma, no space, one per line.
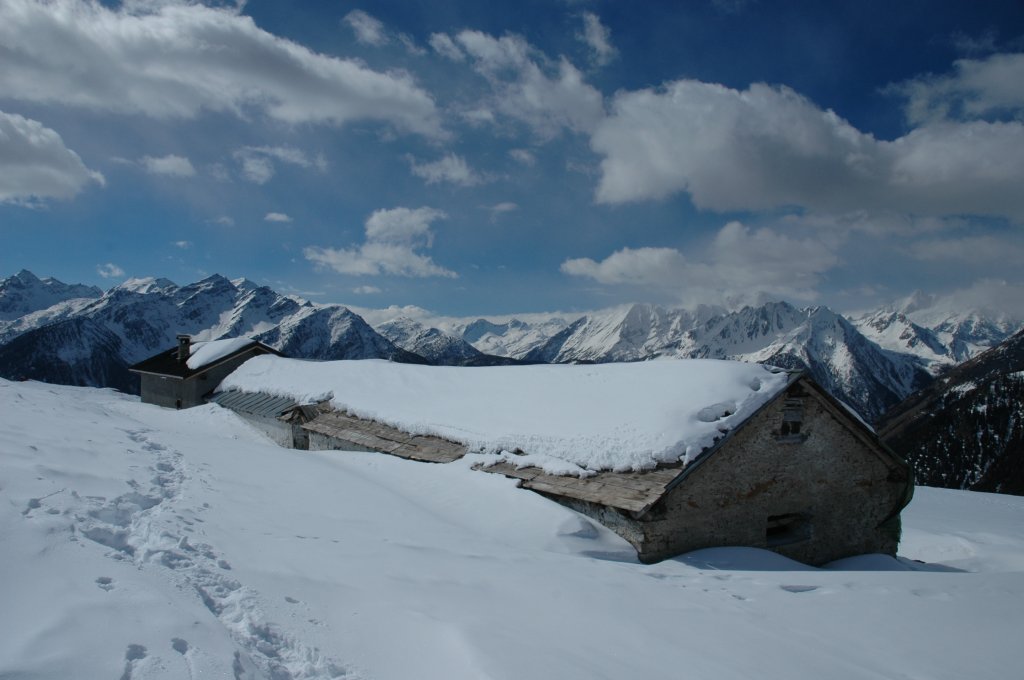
(795,479)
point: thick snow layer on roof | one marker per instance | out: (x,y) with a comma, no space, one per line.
(569,419)
(204,353)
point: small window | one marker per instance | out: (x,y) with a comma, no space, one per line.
(791,527)
(792,421)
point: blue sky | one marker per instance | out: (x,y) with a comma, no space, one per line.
(475,158)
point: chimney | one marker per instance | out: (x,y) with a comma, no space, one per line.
(184,348)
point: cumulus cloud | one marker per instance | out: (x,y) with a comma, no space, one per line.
(174,60)
(277,217)
(450,168)
(368,30)
(598,38)
(393,237)
(768,147)
(170,165)
(740,265)
(109,271)
(446,47)
(548,96)
(976,88)
(257,162)
(184,245)
(35,164)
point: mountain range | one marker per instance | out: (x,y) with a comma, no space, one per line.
(81,335)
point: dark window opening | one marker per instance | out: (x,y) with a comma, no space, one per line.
(792,421)
(791,527)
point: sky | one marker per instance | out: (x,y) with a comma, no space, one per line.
(490,158)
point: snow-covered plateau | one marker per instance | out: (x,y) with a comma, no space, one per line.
(143,543)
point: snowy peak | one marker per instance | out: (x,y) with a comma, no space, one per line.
(939,331)
(147,285)
(25,293)
(514,338)
(332,333)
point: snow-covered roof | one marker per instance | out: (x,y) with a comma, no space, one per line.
(567,419)
(205,353)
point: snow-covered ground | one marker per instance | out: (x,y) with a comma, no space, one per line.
(141,543)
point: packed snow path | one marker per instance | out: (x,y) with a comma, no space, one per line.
(141,543)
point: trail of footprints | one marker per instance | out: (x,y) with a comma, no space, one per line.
(144,527)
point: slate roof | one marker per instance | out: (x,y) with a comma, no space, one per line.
(166,362)
(254,403)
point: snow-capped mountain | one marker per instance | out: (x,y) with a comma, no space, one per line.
(332,333)
(966,430)
(432,344)
(816,339)
(25,293)
(92,341)
(513,338)
(938,331)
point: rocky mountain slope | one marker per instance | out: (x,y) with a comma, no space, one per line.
(966,430)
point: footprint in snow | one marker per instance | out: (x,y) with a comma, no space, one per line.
(105,583)
(132,656)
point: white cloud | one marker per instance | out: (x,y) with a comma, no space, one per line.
(450,168)
(528,87)
(368,30)
(994,295)
(366,290)
(393,237)
(523,156)
(224,221)
(768,147)
(257,162)
(171,165)
(446,47)
(184,245)
(598,38)
(109,271)
(177,60)
(634,266)
(35,164)
(500,209)
(739,266)
(976,88)
(277,217)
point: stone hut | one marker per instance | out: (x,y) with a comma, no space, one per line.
(803,476)
(790,469)
(184,376)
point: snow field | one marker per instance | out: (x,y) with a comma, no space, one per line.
(145,543)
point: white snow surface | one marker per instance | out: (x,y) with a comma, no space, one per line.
(153,544)
(204,353)
(628,416)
